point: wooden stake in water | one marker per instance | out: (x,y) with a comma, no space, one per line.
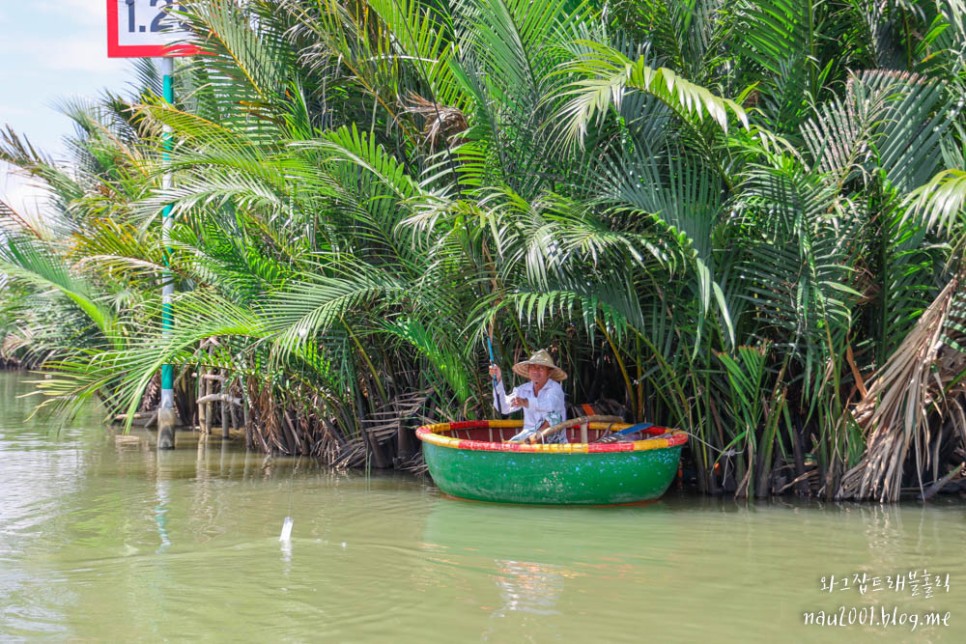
(286,529)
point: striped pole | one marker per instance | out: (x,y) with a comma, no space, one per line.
(167,413)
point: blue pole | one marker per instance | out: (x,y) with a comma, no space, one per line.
(499,394)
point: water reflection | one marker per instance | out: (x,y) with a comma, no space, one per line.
(285,545)
(161,514)
(544,563)
(530,592)
(529,587)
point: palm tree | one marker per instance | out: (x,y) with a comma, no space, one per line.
(724,216)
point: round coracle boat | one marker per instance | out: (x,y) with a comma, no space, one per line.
(602,462)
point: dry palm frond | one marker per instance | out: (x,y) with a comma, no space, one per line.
(392,420)
(440,121)
(914,402)
(12,344)
(16,221)
(385,423)
(378,428)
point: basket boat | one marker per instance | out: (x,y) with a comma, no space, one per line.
(472,460)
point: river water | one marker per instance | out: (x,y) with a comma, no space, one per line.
(102,538)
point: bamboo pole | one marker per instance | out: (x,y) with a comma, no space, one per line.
(541,435)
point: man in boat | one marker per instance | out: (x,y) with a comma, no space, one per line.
(541,399)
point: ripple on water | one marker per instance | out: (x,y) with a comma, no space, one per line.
(103,540)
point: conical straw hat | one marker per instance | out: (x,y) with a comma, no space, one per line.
(543,359)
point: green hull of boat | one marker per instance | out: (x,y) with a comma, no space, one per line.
(558,479)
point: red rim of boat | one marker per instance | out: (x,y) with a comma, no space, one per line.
(659,438)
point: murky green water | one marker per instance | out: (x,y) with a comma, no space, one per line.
(104,539)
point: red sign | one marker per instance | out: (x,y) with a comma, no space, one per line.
(146,28)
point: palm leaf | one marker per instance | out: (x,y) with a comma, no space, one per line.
(606,75)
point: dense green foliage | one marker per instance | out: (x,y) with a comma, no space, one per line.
(725,217)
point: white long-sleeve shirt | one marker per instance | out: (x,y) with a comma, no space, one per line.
(550,401)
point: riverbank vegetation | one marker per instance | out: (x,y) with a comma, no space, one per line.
(742,219)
